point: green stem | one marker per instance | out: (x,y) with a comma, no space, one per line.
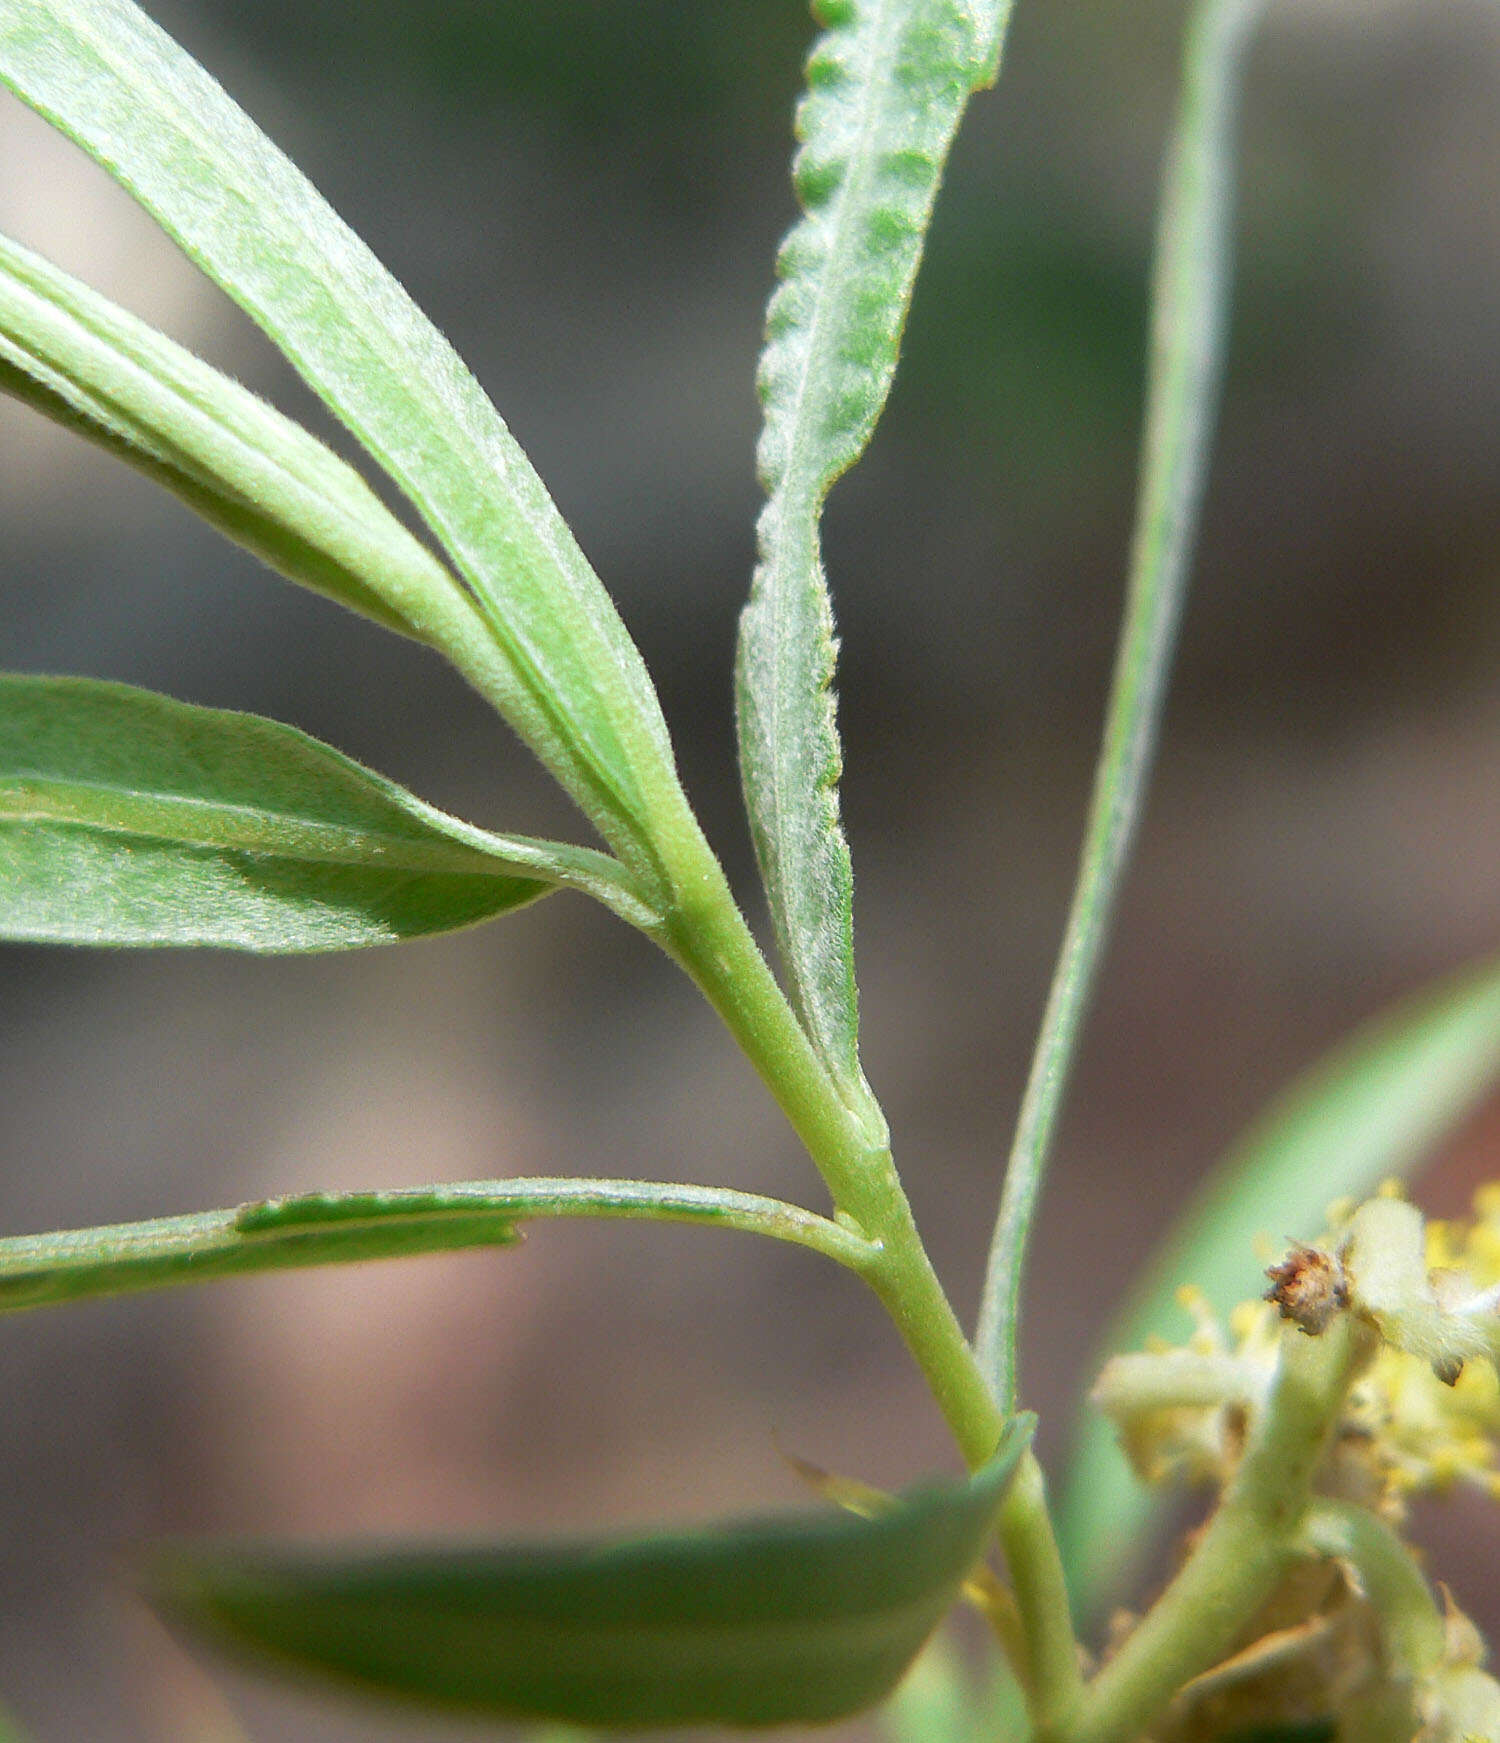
(708,936)
(1190,297)
(1411,1624)
(1054,1682)
(339,1228)
(714,945)
(1244,1551)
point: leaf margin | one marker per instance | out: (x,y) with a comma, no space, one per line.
(43,811)
(731,1585)
(569,681)
(887,85)
(254,474)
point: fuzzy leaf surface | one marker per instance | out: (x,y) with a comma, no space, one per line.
(1374,1108)
(887,85)
(130,818)
(573,685)
(788,1620)
(254,474)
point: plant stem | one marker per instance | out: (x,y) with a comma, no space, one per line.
(1190,295)
(339,1228)
(851,1152)
(1054,1684)
(1411,1624)
(1247,1546)
(708,936)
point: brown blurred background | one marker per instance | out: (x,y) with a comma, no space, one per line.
(587,199)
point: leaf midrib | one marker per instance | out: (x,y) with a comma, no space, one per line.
(863,1624)
(228,827)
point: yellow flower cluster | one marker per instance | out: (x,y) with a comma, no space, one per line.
(1407,1428)
(1424,1427)
(1353,1638)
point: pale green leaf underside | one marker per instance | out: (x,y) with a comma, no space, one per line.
(129,818)
(1374,1108)
(887,85)
(240,464)
(791,1620)
(991,21)
(346,1227)
(573,684)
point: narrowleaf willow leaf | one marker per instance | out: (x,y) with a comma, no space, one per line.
(249,471)
(887,84)
(128,818)
(1373,1108)
(570,680)
(1190,301)
(328,1228)
(799,1619)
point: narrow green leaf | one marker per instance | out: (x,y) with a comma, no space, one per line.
(571,682)
(887,84)
(799,1619)
(1374,1108)
(249,471)
(1190,306)
(333,1228)
(128,818)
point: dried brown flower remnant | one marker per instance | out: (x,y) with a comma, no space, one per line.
(1308,1287)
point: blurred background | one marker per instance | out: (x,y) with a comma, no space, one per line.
(587,198)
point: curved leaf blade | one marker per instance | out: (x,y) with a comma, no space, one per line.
(129,818)
(571,682)
(332,1228)
(887,85)
(254,474)
(1190,299)
(798,1619)
(1373,1108)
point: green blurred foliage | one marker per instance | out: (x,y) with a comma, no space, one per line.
(651,72)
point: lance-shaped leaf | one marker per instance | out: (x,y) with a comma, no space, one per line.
(887,84)
(333,1228)
(128,818)
(571,681)
(248,470)
(1375,1107)
(793,1620)
(1190,295)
